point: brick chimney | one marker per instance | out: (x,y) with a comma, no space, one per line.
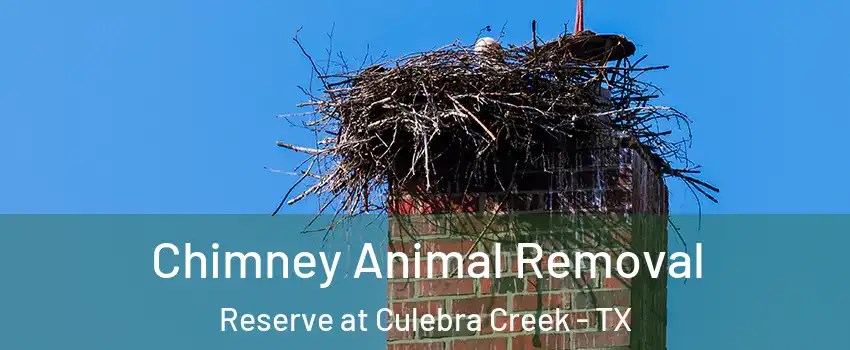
(616,179)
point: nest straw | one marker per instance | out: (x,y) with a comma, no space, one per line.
(452,121)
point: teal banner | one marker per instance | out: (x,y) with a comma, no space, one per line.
(119,282)
(88,282)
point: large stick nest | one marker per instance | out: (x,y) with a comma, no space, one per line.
(453,121)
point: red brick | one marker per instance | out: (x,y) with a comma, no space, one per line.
(598,339)
(536,284)
(481,305)
(612,320)
(505,324)
(443,287)
(543,265)
(616,282)
(434,204)
(504,285)
(572,319)
(547,341)
(479,344)
(523,342)
(567,283)
(601,298)
(422,307)
(455,204)
(529,302)
(417,346)
(406,247)
(504,265)
(410,227)
(395,334)
(556,341)
(437,204)
(437,245)
(486,285)
(401,290)
(446,246)
(591,317)
(459,295)
(402,206)
(398,269)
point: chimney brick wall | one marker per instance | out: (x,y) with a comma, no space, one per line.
(619,180)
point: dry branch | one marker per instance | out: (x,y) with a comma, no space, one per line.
(457,122)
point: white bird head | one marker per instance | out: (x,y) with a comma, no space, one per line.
(485,44)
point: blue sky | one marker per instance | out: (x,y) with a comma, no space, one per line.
(169,106)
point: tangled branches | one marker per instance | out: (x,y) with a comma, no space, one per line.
(451,120)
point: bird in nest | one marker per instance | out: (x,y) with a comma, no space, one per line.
(489,53)
(486,44)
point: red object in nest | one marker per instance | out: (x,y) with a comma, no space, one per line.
(588,46)
(579,17)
